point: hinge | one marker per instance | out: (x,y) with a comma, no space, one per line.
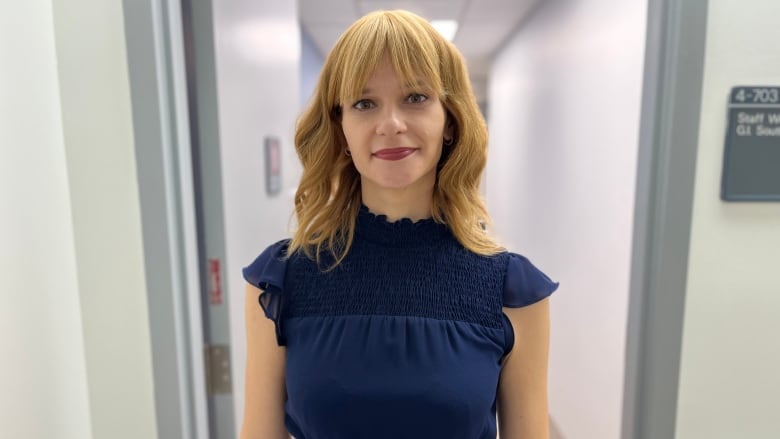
(218,380)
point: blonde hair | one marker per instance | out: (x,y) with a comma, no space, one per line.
(329,197)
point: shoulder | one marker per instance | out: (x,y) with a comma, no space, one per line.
(267,272)
(524,283)
(269,266)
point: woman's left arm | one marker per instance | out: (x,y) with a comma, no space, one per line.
(522,389)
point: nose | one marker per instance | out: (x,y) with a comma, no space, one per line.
(391,122)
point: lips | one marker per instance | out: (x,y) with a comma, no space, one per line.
(394,153)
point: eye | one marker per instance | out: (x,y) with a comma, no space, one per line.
(416,98)
(363,104)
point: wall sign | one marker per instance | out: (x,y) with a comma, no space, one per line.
(215,282)
(273,166)
(751,165)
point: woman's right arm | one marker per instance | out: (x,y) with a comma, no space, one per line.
(265,391)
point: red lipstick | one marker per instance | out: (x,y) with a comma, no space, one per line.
(394,153)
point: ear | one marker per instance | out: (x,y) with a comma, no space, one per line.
(335,113)
(449,129)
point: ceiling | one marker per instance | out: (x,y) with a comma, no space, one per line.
(483,25)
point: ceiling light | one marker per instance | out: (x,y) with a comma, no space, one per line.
(446,28)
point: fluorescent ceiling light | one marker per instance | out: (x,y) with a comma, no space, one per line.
(446,28)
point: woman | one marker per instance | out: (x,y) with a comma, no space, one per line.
(391,313)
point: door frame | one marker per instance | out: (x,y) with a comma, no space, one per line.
(668,145)
(156,68)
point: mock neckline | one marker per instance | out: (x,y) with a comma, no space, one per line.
(404,232)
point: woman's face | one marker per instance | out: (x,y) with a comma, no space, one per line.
(394,132)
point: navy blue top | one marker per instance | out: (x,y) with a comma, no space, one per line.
(403,339)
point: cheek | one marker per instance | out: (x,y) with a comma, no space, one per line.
(351,131)
(436,132)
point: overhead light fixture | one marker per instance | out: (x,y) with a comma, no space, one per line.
(447,28)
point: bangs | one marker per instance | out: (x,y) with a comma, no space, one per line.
(329,194)
(409,41)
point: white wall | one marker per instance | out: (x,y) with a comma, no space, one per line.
(43,371)
(100,151)
(74,321)
(564,106)
(258,53)
(311,65)
(729,384)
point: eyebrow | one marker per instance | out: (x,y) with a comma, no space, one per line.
(412,86)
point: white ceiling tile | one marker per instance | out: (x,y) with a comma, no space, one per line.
(483,25)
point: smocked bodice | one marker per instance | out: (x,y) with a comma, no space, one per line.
(403,339)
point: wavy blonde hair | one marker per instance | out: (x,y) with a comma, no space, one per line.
(329,194)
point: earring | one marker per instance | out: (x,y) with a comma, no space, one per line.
(347,152)
(448,142)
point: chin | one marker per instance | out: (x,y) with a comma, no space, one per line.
(399,183)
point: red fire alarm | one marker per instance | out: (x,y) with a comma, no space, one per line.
(215,283)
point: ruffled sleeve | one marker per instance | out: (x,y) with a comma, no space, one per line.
(267,273)
(524,283)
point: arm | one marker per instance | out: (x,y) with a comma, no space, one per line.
(522,388)
(265,391)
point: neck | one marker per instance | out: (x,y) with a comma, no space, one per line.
(398,203)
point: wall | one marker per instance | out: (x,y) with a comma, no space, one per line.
(74,319)
(311,65)
(106,216)
(44,371)
(258,50)
(729,384)
(564,106)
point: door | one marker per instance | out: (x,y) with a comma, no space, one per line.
(197,26)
